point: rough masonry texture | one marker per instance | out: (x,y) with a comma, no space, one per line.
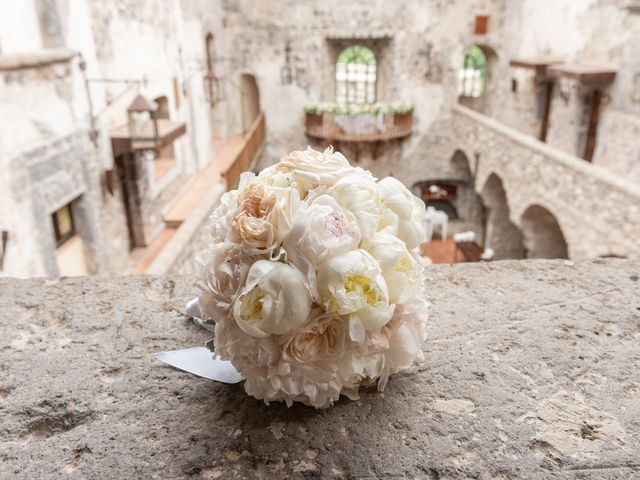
(531,371)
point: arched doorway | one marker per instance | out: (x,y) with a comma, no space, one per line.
(356,75)
(474,76)
(543,237)
(250,100)
(500,234)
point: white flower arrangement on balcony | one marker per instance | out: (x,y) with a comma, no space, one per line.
(353,109)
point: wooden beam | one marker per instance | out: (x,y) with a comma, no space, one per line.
(590,145)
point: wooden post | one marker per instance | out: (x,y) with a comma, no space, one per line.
(590,145)
(548,93)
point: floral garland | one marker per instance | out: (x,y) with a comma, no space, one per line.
(352,109)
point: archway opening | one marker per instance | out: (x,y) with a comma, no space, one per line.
(543,237)
(500,234)
(250,100)
(356,74)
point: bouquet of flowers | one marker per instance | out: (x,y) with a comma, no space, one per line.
(312,282)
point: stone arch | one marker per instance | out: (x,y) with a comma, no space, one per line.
(468,202)
(460,166)
(543,237)
(450,187)
(250,99)
(500,234)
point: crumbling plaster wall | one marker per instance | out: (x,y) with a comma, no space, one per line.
(422,51)
(591,32)
(423,46)
(49,160)
(50,109)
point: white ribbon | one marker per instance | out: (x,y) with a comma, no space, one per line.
(199,360)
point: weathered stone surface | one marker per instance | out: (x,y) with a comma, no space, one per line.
(532,370)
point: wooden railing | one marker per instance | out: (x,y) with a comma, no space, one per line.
(254,139)
(358,128)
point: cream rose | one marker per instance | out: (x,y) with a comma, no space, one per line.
(352,284)
(311,168)
(223,270)
(321,229)
(406,214)
(321,338)
(357,193)
(398,266)
(264,214)
(222,217)
(274,300)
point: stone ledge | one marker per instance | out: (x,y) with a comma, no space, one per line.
(35,59)
(596,172)
(532,370)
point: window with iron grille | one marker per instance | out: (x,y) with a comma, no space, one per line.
(472,75)
(356,74)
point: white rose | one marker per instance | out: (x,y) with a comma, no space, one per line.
(321,229)
(406,334)
(274,300)
(323,337)
(311,168)
(409,210)
(222,217)
(352,284)
(223,269)
(357,193)
(399,268)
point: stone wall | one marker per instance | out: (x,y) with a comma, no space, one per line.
(66,78)
(531,371)
(50,158)
(421,47)
(597,211)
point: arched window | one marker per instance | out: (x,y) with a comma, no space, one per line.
(356,75)
(250,99)
(472,77)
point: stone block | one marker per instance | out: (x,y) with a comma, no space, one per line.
(531,370)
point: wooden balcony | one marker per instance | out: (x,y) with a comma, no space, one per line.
(251,148)
(365,128)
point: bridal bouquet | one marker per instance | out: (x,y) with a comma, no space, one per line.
(312,282)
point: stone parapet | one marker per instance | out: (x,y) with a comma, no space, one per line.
(531,370)
(597,210)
